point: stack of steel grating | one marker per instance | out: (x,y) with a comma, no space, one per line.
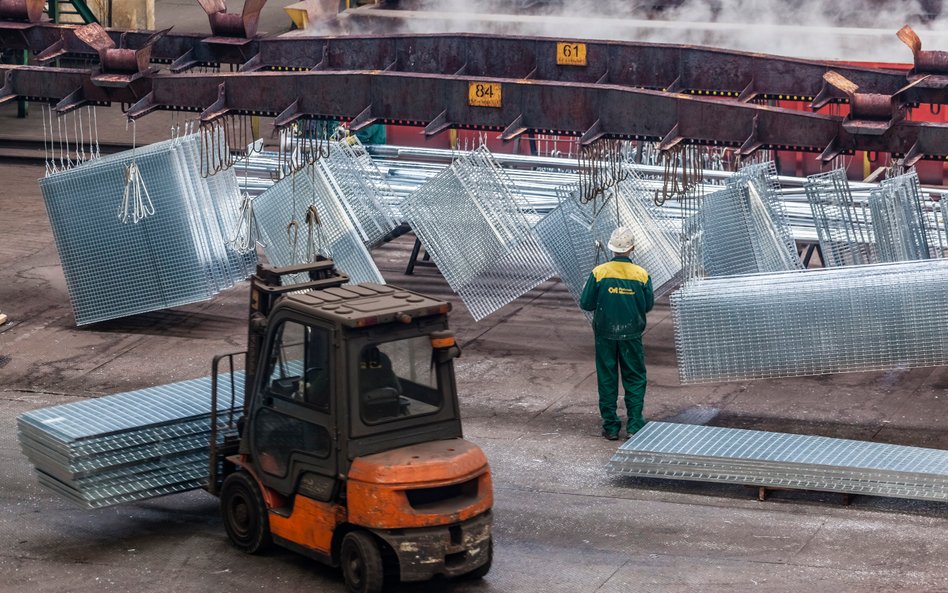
(478,233)
(901,227)
(361,188)
(842,225)
(744,227)
(849,319)
(805,462)
(129,446)
(300,217)
(179,255)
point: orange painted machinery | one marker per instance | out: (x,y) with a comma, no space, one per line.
(349,448)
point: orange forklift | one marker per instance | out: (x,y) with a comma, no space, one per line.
(349,448)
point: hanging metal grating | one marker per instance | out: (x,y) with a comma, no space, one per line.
(129,446)
(575,235)
(903,230)
(179,255)
(744,227)
(299,219)
(361,188)
(850,319)
(478,233)
(842,224)
(566,233)
(752,457)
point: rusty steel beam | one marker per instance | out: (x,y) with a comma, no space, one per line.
(509,106)
(675,68)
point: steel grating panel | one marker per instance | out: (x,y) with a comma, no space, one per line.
(901,227)
(281,213)
(175,257)
(769,205)
(361,188)
(128,446)
(731,455)
(566,233)
(478,233)
(842,226)
(575,235)
(855,318)
(744,228)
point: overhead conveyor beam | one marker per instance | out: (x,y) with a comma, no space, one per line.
(512,107)
(673,68)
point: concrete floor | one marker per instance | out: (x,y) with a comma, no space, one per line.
(527,387)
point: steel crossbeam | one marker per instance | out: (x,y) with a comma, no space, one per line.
(440,102)
(674,68)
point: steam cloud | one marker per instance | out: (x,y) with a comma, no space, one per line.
(859,30)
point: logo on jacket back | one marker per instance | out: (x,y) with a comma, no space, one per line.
(620,290)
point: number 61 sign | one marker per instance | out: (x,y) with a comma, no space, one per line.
(571,54)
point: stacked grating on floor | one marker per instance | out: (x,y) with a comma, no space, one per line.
(177,256)
(291,237)
(842,226)
(744,228)
(752,457)
(853,318)
(901,227)
(129,446)
(361,188)
(478,233)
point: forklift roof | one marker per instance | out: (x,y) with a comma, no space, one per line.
(362,305)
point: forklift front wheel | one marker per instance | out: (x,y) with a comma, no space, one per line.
(361,563)
(245,514)
(482,570)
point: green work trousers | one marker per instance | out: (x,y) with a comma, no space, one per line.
(629,357)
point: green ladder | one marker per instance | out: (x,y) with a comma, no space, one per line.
(57,9)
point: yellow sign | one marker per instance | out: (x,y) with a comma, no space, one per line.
(571,54)
(484,94)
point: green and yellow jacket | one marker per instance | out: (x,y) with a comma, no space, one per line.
(620,293)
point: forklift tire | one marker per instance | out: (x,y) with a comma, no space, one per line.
(482,570)
(361,563)
(245,514)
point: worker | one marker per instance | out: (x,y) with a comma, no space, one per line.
(620,293)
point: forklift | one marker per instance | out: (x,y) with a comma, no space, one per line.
(348,448)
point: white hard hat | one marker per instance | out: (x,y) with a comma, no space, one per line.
(621,240)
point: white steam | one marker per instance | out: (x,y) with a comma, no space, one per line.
(861,30)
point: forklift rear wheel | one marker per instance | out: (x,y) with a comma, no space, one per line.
(361,562)
(245,514)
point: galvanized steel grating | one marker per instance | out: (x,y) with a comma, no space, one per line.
(290,236)
(842,225)
(744,227)
(855,318)
(178,256)
(902,228)
(361,188)
(575,235)
(128,446)
(731,455)
(478,233)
